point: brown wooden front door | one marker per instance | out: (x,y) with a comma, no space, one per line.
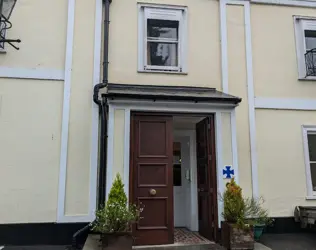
(206,169)
(152,178)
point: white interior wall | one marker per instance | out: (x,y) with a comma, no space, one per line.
(185,198)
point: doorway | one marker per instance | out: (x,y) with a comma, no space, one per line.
(172,176)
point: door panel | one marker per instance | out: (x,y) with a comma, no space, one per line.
(152,178)
(206,170)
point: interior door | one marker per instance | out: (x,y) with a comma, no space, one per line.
(206,173)
(152,178)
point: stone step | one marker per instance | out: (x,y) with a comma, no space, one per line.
(207,246)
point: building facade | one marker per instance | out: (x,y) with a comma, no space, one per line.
(48,172)
(236,77)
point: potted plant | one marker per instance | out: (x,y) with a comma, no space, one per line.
(236,232)
(257,215)
(114,221)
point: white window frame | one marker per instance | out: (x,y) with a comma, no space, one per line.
(311,194)
(301,24)
(163,12)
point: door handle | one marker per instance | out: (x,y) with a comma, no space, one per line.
(152,192)
(201,189)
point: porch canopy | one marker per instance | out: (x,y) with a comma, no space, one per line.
(179,93)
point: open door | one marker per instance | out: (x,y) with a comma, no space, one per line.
(206,181)
(152,178)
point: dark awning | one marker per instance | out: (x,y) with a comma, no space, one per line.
(153,92)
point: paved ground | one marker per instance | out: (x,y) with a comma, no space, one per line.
(34,248)
(298,241)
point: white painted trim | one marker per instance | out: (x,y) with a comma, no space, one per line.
(169,106)
(219,161)
(236,2)
(298,3)
(110,156)
(299,44)
(251,106)
(223,31)
(233,127)
(285,103)
(127,136)
(95,112)
(66,112)
(309,185)
(310,197)
(40,74)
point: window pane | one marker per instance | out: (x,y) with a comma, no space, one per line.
(313,175)
(310,39)
(162,54)
(162,28)
(312,146)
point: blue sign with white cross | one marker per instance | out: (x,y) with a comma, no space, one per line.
(228,172)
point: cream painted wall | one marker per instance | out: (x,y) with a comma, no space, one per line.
(227,153)
(282,179)
(274,52)
(30,127)
(237,85)
(41,25)
(118,147)
(226,139)
(203,45)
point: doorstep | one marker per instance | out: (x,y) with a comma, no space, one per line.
(92,243)
(179,246)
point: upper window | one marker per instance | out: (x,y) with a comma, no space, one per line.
(310,158)
(305,32)
(161,39)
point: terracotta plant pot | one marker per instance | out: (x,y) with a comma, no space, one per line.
(234,238)
(117,241)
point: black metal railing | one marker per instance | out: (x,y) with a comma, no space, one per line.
(310,62)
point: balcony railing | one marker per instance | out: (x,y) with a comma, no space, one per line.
(310,62)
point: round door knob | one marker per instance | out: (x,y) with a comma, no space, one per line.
(152,192)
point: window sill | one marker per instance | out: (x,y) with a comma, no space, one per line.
(163,72)
(309,78)
(310,197)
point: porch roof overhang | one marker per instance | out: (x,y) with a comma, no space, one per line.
(176,93)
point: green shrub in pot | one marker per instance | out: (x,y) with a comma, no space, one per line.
(256,215)
(115,219)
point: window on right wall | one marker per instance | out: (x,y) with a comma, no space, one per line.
(309,137)
(305,34)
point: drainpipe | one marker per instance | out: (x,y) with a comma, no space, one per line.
(103,121)
(102,105)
